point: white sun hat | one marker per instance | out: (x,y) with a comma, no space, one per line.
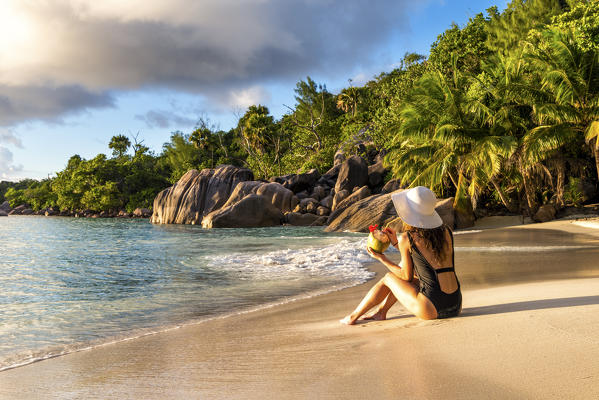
(416,207)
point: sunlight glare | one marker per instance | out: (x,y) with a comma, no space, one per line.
(16,29)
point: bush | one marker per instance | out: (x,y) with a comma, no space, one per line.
(573,193)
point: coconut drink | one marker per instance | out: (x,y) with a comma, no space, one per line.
(378,240)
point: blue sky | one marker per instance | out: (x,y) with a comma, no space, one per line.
(75,73)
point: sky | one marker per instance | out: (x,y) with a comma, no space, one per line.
(74,73)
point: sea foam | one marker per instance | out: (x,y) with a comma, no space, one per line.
(345,259)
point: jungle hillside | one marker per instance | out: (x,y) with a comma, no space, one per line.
(502,114)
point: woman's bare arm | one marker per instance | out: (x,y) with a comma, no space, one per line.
(405,269)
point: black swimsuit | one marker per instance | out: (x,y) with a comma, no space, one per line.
(447,304)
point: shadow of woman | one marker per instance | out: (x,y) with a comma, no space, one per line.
(530,305)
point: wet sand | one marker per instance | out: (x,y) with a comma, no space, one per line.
(528,330)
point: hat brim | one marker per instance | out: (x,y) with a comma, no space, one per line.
(406,212)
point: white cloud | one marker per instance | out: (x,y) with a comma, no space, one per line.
(242,99)
(70,55)
(8,137)
(7,169)
(165,119)
(21,103)
(360,79)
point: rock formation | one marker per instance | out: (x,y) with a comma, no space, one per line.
(356,196)
(5,207)
(445,210)
(141,213)
(379,209)
(376,174)
(197,194)
(353,172)
(392,186)
(18,210)
(297,219)
(252,211)
(298,182)
(350,196)
(545,213)
(281,198)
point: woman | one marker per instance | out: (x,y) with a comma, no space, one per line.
(426,247)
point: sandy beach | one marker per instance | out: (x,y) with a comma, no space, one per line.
(528,331)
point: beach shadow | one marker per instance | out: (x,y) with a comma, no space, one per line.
(530,305)
(372,321)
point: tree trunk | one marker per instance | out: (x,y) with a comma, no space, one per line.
(506,202)
(561,183)
(453,180)
(474,202)
(595,151)
(529,191)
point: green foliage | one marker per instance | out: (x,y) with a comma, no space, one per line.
(573,193)
(388,92)
(102,184)
(311,129)
(35,194)
(82,184)
(582,20)
(502,111)
(5,185)
(40,195)
(102,196)
(468,43)
(15,197)
(119,145)
(263,141)
(506,30)
(180,155)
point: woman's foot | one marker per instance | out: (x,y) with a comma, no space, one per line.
(349,320)
(377,316)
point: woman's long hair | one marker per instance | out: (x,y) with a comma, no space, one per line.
(434,239)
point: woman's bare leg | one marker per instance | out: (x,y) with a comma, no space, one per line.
(407,293)
(380,312)
(410,297)
(375,295)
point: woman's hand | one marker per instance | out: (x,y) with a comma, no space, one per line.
(392,236)
(375,255)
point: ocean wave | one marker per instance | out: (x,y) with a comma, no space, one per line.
(344,259)
(31,356)
(252,281)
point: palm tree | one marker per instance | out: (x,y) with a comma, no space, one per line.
(348,100)
(510,90)
(441,138)
(569,106)
(502,102)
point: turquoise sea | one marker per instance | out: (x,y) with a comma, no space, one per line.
(69,284)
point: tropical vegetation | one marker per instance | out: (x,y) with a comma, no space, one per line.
(503,113)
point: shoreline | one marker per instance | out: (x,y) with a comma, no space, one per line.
(134,335)
(292,349)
